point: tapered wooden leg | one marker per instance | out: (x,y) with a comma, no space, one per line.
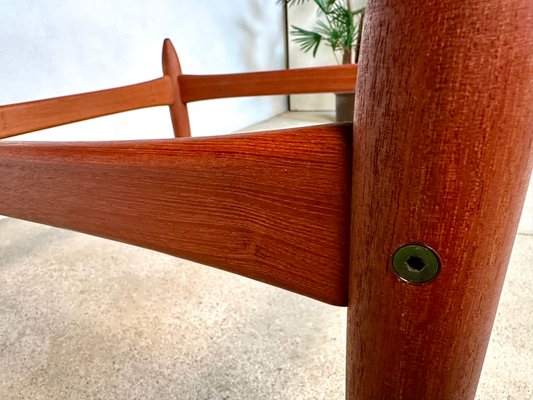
(442,155)
(178,109)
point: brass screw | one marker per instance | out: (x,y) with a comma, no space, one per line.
(415,263)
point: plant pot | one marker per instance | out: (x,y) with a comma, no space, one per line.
(344,106)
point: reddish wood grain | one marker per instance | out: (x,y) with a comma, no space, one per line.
(173,89)
(16,119)
(442,155)
(340,78)
(271,206)
(178,109)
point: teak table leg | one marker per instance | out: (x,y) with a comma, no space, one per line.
(442,156)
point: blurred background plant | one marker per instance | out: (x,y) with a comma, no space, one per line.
(339,26)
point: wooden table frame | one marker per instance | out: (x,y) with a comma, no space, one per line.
(442,154)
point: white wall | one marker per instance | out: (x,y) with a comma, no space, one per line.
(57,47)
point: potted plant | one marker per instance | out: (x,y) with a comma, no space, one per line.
(339,26)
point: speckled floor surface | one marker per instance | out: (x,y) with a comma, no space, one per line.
(86,318)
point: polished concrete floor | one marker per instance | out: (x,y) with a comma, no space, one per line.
(86,318)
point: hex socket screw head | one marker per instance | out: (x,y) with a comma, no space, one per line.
(416,263)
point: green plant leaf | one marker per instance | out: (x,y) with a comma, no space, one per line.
(325,5)
(308,40)
(339,30)
(337,25)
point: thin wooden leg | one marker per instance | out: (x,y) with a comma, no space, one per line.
(442,154)
(178,109)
